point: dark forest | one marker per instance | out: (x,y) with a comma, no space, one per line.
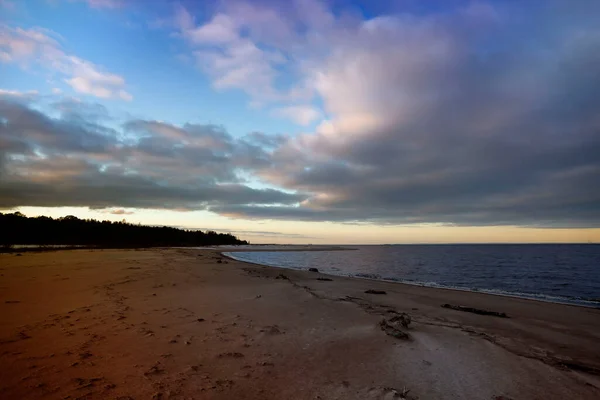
(17,229)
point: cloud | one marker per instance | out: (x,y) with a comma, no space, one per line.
(120,211)
(241,47)
(18,94)
(88,79)
(221,29)
(73,159)
(448,118)
(301,114)
(42,48)
(74,109)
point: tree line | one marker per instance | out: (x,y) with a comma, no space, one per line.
(18,229)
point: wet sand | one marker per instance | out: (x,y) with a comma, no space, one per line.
(191,324)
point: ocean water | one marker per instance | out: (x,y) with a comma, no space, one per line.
(564,273)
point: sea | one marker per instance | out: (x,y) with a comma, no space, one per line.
(561,273)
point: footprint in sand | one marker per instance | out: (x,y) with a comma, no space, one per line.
(272,330)
(388,393)
(87,382)
(146,332)
(231,355)
(265,364)
(156,369)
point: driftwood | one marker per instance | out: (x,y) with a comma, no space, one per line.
(392,326)
(372,291)
(475,310)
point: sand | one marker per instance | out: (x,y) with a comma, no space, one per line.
(190,324)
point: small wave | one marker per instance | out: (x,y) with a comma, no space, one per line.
(498,292)
(367,276)
(593,300)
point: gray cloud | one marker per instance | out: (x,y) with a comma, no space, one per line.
(120,211)
(72,160)
(452,122)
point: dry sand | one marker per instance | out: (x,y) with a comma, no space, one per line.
(179,324)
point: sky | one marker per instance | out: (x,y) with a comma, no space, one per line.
(307,121)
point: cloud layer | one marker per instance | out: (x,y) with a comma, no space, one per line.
(476,116)
(75,159)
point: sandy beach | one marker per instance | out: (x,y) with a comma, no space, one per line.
(192,324)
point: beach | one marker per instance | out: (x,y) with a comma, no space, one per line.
(193,324)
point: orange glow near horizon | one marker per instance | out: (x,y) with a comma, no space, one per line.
(294,232)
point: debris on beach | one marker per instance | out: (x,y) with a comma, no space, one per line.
(475,310)
(373,291)
(324,279)
(390,393)
(392,326)
(313,270)
(272,330)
